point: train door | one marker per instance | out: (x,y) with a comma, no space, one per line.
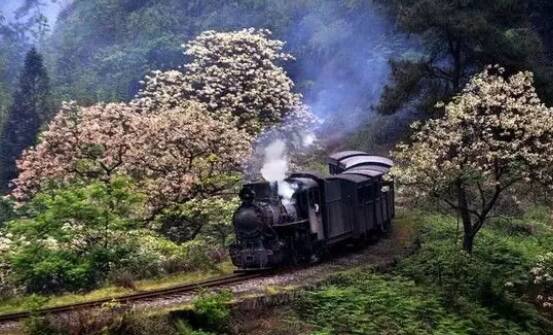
(314,214)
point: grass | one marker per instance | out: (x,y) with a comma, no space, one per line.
(22,303)
(440,289)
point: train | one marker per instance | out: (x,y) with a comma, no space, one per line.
(353,204)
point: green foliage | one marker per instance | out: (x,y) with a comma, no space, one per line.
(495,276)
(78,236)
(158,256)
(100,50)
(440,289)
(31,107)
(212,311)
(460,38)
(368,303)
(7,211)
(184,329)
(71,238)
(208,219)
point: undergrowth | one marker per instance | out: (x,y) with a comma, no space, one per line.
(440,289)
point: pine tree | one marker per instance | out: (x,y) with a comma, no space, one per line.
(29,109)
(459,39)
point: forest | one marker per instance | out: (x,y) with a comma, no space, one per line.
(128,128)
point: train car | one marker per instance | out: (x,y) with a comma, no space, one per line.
(353,204)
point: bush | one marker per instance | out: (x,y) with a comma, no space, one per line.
(184,328)
(7,211)
(78,236)
(208,219)
(158,256)
(211,311)
(70,238)
(41,270)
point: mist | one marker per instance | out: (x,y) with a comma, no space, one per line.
(343,85)
(20,10)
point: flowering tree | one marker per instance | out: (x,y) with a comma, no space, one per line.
(89,143)
(174,155)
(184,153)
(494,135)
(231,72)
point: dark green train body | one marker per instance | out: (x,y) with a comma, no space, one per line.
(354,204)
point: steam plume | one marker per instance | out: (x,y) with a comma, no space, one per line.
(275,168)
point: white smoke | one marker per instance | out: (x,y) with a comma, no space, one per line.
(308,139)
(275,168)
(275,165)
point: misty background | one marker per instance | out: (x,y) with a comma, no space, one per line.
(100,50)
(18,10)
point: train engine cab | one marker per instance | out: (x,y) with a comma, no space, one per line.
(271,229)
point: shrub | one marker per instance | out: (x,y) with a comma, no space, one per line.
(184,329)
(209,219)
(7,211)
(72,237)
(157,256)
(212,312)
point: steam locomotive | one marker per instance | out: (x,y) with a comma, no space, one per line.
(354,204)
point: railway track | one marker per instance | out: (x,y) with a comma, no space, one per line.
(135,297)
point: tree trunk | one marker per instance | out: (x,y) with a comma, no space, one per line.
(468,242)
(468,234)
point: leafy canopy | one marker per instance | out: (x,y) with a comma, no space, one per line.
(459,38)
(31,107)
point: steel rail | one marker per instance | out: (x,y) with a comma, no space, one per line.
(133,297)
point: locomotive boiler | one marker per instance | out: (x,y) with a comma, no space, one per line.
(353,204)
